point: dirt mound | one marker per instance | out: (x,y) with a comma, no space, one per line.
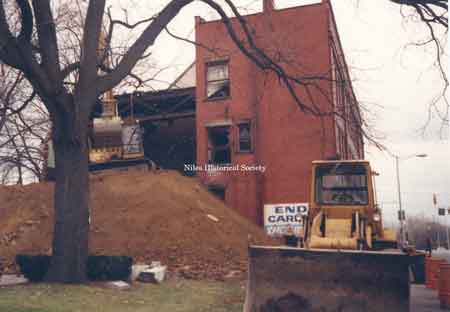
(147,215)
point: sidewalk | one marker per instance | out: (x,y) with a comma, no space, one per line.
(11,279)
(424,299)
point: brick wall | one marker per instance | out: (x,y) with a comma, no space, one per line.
(285,139)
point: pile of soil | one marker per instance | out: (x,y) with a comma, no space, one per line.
(151,216)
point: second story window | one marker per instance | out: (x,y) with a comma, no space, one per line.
(217,80)
(245,137)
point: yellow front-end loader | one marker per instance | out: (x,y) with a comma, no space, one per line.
(347,262)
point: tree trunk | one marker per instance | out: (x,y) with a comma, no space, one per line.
(71,228)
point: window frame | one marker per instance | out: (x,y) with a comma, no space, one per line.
(238,141)
(319,185)
(211,150)
(213,63)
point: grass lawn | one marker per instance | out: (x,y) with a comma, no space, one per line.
(172,295)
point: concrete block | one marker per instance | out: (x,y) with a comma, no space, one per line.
(137,269)
(153,275)
(12,280)
(155,264)
(118,285)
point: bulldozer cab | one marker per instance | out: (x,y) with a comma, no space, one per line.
(343,212)
(341,184)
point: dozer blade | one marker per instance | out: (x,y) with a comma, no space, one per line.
(282,279)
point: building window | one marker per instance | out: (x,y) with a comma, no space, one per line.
(245,137)
(218,191)
(217,80)
(343,144)
(219,151)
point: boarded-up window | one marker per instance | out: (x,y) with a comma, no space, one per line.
(217,80)
(245,137)
(219,145)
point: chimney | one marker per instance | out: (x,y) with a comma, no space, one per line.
(268,6)
(198,20)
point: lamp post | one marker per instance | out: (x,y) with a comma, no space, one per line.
(400,209)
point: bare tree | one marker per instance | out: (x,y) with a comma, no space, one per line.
(421,229)
(69,108)
(23,135)
(23,124)
(434,15)
(430,11)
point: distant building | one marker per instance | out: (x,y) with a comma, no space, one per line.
(245,116)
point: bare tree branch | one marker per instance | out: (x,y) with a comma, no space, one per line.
(48,46)
(27,20)
(146,39)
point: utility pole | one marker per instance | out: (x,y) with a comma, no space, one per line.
(446,213)
(446,225)
(401,213)
(400,210)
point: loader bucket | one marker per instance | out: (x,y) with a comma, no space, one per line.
(282,279)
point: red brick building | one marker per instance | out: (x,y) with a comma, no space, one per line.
(245,116)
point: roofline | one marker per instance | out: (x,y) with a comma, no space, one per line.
(341,161)
(339,42)
(323,2)
(156,92)
(174,83)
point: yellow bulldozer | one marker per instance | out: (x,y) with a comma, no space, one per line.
(343,210)
(346,260)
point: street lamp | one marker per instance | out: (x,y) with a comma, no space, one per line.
(400,210)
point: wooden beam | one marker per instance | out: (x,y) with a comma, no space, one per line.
(167,116)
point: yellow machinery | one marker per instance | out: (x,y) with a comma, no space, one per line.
(113,139)
(115,143)
(343,212)
(106,140)
(348,262)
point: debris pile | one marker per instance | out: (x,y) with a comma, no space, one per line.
(149,216)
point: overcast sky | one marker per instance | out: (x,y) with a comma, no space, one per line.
(394,80)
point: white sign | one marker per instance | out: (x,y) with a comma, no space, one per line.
(282,219)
